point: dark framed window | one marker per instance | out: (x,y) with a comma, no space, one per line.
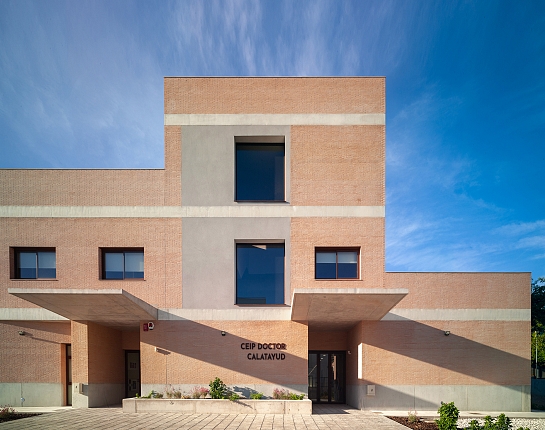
(259,171)
(122,263)
(337,263)
(34,263)
(260,273)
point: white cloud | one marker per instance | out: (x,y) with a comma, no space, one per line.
(519,228)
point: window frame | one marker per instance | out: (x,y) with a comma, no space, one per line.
(15,256)
(336,250)
(261,141)
(278,243)
(102,267)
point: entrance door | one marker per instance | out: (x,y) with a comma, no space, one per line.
(132,373)
(326,376)
(68,354)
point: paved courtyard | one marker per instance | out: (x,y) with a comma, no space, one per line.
(334,417)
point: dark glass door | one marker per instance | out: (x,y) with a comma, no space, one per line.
(326,376)
(132,373)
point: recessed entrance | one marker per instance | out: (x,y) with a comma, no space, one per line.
(327,376)
(132,373)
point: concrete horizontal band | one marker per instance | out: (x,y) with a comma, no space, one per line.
(29,314)
(284,314)
(478,397)
(243,211)
(276,119)
(458,315)
(241,314)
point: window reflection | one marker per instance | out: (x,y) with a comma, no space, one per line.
(260,273)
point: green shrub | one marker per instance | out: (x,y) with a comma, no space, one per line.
(153,395)
(233,397)
(256,396)
(281,394)
(501,423)
(448,416)
(217,389)
(474,425)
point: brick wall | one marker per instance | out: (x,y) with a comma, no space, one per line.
(337,166)
(36,356)
(173,166)
(106,356)
(194,352)
(462,290)
(327,340)
(77,242)
(81,187)
(419,353)
(274,95)
(308,233)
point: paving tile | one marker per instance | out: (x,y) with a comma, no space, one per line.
(325,417)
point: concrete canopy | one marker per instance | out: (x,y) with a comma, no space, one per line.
(341,308)
(113,308)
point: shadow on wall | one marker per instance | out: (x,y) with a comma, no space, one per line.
(454,359)
(188,352)
(414,364)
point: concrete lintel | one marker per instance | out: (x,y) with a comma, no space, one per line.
(458,315)
(241,314)
(111,307)
(342,308)
(276,119)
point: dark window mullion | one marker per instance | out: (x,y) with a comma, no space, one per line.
(123,253)
(336,265)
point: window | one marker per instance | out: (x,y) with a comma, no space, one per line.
(123,263)
(259,171)
(35,263)
(260,273)
(337,263)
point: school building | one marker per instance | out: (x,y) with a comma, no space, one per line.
(257,256)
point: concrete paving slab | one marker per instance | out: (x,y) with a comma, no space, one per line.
(338,417)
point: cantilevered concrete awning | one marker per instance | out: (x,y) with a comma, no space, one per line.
(342,308)
(114,308)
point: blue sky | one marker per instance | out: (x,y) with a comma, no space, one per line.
(81,85)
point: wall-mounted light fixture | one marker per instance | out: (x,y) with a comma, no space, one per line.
(349,352)
(222,333)
(21,333)
(447,332)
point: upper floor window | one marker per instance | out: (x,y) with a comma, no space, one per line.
(123,263)
(259,171)
(337,263)
(260,273)
(35,263)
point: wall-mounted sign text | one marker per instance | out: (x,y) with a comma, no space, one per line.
(264,355)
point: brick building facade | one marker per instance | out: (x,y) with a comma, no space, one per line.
(257,254)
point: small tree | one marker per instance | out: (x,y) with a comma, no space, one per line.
(538,304)
(218,389)
(538,321)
